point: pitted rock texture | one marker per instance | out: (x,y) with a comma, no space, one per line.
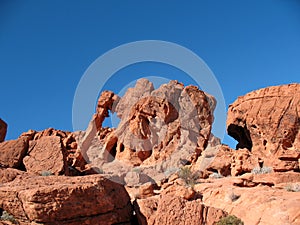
(3,130)
(66,200)
(9,174)
(267,122)
(159,129)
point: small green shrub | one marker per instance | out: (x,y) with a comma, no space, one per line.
(262,170)
(293,188)
(46,173)
(230,220)
(188,176)
(7,217)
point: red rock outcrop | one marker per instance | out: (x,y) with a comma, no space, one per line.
(54,151)
(265,201)
(174,170)
(169,209)
(45,154)
(66,200)
(3,130)
(12,152)
(225,161)
(267,122)
(159,129)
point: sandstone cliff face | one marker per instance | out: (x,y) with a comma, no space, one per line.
(267,122)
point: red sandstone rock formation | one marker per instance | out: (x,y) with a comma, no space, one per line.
(160,131)
(267,122)
(256,199)
(54,151)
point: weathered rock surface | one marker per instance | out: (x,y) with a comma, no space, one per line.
(45,154)
(53,151)
(267,122)
(9,174)
(159,129)
(266,202)
(66,200)
(169,209)
(12,152)
(227,162)
(3,130)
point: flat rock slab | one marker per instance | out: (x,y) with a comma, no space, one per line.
(66,200)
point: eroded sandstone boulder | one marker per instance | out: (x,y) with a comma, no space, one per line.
(223,160)
(45,154)
(54,151)
(3,130)
(49,200)
(12,152)
(169,209)
(267,122)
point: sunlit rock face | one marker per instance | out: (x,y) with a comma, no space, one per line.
(267,122)
(159,130)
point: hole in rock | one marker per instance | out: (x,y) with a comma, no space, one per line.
(265,142)
(112,152)
(122,147)
(241,134)
(111,121)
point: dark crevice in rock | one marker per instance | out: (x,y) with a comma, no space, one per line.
(242,135)
(20,200)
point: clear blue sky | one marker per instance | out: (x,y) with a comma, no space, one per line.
(46,46)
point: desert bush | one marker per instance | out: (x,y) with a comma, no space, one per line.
(216,175)
(233,197)
(262,170)
(7,217)
(188,176)
(46,173)
(293,187)
(230,220)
